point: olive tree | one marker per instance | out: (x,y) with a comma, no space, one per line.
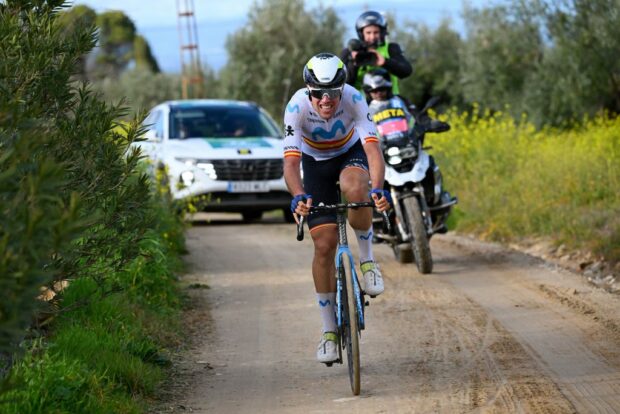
(266,57)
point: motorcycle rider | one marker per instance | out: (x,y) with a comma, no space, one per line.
(372,50)
(378,88)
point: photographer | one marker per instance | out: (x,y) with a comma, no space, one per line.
(371,51)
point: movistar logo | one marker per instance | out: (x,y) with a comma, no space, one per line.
(292,108)
(368,236)
(322,133)
(357,97)
(324,303)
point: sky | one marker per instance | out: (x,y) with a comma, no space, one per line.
(157,21)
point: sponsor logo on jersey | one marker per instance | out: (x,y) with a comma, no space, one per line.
(292,108)
(320,133)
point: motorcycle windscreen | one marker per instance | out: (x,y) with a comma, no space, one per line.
(393,128)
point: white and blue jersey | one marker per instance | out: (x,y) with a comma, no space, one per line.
(306,132)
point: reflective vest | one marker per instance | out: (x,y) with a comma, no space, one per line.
(362,70)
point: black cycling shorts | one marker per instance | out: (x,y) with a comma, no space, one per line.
(320,178)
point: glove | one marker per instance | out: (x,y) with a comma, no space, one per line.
(297,199)
(381,193)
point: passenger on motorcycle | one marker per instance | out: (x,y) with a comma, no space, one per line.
(329,132)
(377,86)
(372,50)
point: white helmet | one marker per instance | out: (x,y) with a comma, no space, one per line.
(325,70)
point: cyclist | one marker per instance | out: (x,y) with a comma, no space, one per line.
(372,50)
(328,131)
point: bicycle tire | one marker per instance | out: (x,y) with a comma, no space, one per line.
(350,324)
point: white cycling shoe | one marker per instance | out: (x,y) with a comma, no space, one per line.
(373,280)
(327,350)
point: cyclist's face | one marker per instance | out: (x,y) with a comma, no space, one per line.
(326,106)
(372,34)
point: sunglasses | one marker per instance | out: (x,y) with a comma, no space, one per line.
(331,93)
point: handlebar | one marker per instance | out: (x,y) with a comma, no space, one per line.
(338,208)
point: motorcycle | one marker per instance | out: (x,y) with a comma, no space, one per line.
(421,206)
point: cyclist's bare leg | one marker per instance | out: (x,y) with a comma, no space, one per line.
(325,239)
(354,186)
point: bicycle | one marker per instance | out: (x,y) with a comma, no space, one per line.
(350,302)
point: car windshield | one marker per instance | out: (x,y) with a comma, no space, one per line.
(220,122)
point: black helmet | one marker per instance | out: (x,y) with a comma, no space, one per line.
(371,18)
(375,79)
(325,70)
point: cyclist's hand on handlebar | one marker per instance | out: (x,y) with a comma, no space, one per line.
(381,198)
(300,205)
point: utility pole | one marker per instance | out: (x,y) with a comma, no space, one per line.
(192,80)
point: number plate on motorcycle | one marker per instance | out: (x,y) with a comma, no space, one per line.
(248,187)
(393,126)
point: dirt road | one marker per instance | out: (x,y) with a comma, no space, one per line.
(490,331)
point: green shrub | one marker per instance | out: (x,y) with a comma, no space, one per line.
(514,181)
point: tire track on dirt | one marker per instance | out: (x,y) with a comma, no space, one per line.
(475,336)
(555,336)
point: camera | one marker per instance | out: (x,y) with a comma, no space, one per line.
(364,56)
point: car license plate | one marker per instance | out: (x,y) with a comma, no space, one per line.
(248,187)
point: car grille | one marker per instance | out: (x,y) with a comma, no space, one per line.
(248,170)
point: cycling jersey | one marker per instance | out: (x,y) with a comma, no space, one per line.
(305,131)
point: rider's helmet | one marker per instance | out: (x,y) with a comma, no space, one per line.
(377,79)
(325,71)
(371,18)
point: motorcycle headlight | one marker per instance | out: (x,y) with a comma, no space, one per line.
(393,151)
(395,160)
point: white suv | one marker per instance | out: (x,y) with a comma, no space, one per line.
(230,150)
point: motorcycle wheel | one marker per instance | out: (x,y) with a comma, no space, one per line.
(419,240)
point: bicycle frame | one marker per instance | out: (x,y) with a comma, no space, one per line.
(349,330)
(343,249)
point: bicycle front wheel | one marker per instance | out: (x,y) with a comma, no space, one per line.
(350,324)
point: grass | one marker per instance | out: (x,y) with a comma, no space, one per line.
(514,181)
(108,353)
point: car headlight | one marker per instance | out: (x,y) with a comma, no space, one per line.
(187,177)
(190,162)
(208,168)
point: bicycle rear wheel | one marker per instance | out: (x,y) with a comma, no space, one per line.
(350,324)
